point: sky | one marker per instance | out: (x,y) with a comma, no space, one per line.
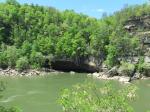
(93,8)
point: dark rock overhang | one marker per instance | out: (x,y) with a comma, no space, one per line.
(67,66)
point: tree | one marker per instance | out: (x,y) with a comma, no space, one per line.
(12,2)
(3,60)
(45,45)
(37,60)
(22,64)
(26,49)
(111,59)
(32,30)
(11,55)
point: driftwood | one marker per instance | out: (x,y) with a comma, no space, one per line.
(111,72)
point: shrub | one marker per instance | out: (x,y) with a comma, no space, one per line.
(22,63)
(126,68)
(111,59)
(3,109)
(3,60)
(145,69)
(90,98)
(140,64)
(11,55)
(37,59)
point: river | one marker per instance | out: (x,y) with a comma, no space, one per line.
(40,94)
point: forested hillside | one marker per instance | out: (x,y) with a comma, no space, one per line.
(33,36)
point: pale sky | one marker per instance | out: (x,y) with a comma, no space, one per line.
(93,8)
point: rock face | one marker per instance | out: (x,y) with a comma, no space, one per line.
(68,65)
(140,27)
(136,76)
(147,59)
(136,23)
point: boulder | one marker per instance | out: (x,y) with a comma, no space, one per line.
(72,72)
(147,59)
(104,68)
(126,69)
(95,74)
(124,79)
(136,76)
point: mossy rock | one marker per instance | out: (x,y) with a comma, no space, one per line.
(146,70)
(126,69)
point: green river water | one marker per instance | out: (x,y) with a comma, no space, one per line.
(40,94)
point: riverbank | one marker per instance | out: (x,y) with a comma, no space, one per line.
(28,73)
(34,72)
(122,79)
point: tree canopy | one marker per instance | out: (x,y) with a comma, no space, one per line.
(27,31)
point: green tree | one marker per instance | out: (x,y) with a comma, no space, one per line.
(11,55)
(37,60)
(26,28)
(12,2)
(45,45)
(22,64)
(26,49)
(111,59)
(3,60)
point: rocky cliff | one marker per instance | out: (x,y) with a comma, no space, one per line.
(140,27)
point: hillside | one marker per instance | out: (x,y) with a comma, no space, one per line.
(33,36)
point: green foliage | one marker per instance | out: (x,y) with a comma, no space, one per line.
(8,57)
(45,45)
(70,46)
(12,2)
(3,60)
(111,59)
(121,45)
(91,98)
(3,109)
(37,59)
(140,65)
(26,49)
(22,63)
(145,69)
(11,55)
(99,39)
(37,31)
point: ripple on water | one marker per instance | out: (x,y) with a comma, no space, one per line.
(11,98)
(33,92)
